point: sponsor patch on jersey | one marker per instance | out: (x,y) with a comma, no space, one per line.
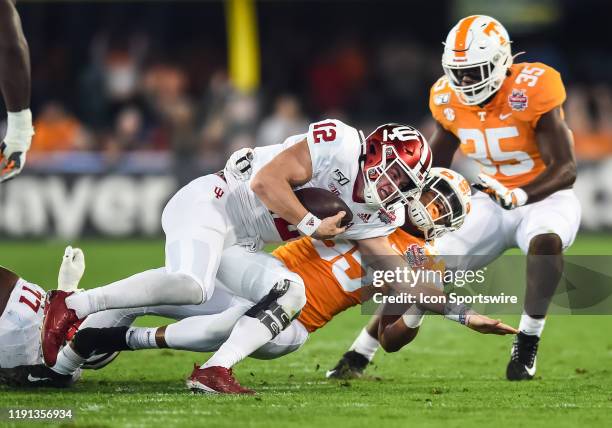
(415,255)
(518,100)
(385,216)
(440,99)
(449,114)
(340,177)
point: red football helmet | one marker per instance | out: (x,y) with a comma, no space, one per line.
(391,151)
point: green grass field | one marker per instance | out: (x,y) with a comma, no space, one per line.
(449,376)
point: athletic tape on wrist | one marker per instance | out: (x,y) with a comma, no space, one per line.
(309,224)
(19,130)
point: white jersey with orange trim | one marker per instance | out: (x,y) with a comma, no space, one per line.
(334,150)
(501,135)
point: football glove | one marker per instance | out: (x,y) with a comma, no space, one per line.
(72,269)
(11,162)
(16,143)
(506,198)
(239,164)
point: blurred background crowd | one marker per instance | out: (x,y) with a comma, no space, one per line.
(117,79)
(147,87)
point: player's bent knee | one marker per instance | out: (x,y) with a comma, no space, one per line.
(183,289)
(282,304)
(546,244)
(294,298)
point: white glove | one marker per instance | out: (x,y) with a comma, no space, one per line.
(72,269)
(13,149)
(506,198)
(239,164)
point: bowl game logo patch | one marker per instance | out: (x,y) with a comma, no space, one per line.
(385,216)
(415,255)
(518,100)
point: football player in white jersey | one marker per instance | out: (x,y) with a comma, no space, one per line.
(207,326)
(21,315)
(218,211)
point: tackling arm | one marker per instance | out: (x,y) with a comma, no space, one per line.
(274,183)
(383,257)
(443,144)
(555,144)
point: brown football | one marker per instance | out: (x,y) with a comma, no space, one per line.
(323,203)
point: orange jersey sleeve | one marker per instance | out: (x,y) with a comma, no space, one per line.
(501,135)
(542,86)
(333,275)
(440,97)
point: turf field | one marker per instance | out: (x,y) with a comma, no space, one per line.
(449,376)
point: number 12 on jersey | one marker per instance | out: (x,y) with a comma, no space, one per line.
(324,131)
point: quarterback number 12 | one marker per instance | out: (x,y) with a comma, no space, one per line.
(324,131)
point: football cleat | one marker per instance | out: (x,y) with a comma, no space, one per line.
(215,380)
(351,366)
(35,376)
(56,324)
(522,365)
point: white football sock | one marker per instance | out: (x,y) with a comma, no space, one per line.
(68,361)
(141,338)
(531,326)
(248,335)
(365,344)
(149,288)
(203,333)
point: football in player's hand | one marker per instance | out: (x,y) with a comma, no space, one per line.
(324,203)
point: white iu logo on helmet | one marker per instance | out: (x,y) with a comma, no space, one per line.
(402,133)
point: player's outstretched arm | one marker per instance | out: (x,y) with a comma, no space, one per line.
(486,325)
(379,255)
(443,145)
(555,143)
(15,86)
(274,183)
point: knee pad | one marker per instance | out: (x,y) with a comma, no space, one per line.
(294,298)
(280,306)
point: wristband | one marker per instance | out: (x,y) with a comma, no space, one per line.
(413,320)
(309,224)
(458,313)
(19,130)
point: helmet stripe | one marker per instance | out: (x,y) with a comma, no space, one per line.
(461,37)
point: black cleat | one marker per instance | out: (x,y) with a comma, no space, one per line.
(351,366)
(522,365)
(34,376)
